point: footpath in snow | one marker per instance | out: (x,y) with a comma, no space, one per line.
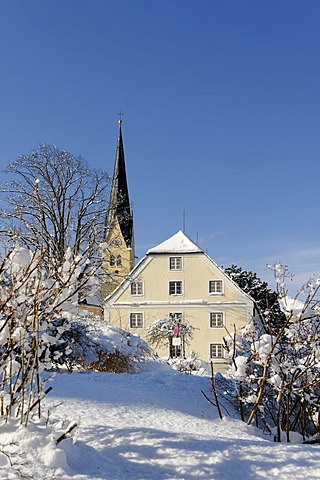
(147,426)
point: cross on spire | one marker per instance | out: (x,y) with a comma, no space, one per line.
(120,119)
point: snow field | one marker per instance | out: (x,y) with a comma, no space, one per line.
(147,426)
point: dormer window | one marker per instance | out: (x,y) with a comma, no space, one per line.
(112,260)
(175,263)
(119,261)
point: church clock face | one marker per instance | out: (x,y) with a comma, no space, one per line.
(116,242)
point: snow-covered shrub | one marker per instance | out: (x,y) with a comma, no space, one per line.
(96,346)
(278,374)
(35,307)
(190,365)
(163,330)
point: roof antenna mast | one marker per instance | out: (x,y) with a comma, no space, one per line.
(184,222)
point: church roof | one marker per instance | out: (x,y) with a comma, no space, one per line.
(119,207)
(178,243)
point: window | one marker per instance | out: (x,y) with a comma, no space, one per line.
(215,286)
(216,350)
(136,320)
(175,316)
(175,288)
(137,288)
(175,263)
(175,351)
(119,261)
(216,319)
(112,261)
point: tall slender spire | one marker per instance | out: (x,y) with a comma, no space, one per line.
(119,207)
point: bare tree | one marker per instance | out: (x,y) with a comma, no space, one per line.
(53,220)
(55,202)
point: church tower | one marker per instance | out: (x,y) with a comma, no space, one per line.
(118,258)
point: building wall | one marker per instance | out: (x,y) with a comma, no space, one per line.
(113,273)
(197,270)
(195,303)
(95,310)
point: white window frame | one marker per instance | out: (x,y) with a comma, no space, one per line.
(176,282)
(216,319)
(137,288)
(219,350)
(176,315)
(215,291)
(134,319)
(175,263)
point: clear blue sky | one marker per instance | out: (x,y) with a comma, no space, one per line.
(221,113)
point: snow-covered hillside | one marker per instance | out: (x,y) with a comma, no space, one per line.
(146,426)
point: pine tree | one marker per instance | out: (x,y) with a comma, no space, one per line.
(266,299)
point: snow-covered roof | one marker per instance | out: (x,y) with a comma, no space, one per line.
(178,243)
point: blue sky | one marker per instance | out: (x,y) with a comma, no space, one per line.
(221,114)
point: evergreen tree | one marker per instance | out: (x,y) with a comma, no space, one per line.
(266,300)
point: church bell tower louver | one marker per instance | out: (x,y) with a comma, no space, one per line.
(118,258)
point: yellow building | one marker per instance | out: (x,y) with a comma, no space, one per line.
(178,279)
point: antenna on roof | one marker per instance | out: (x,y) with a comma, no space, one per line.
(197,237)
(184,222)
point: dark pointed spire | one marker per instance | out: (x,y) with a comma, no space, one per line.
(119,207)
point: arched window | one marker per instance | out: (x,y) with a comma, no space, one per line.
(119,261)
(112,261)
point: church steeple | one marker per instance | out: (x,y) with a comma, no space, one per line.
(119,255)
(119,206)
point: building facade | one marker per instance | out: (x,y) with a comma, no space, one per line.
(178,279)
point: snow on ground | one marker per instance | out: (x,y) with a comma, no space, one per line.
(146,426)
